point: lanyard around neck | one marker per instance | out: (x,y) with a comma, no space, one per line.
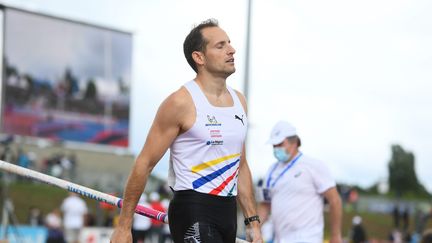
(291,164)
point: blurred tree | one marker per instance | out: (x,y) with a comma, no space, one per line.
(30,85)
(402,175)
(71,83)
(11,70)
(123,87)
(91,90)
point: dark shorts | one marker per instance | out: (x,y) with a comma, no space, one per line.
(198,217)
(139,235)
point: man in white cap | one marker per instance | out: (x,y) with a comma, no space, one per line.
(358,233)
(294,191)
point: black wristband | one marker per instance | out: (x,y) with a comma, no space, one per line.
(247,221)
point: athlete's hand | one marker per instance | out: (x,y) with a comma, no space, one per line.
(336,239)
(121,235)
(253,233)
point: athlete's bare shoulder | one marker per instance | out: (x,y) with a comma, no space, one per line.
(179,100)
(179,108)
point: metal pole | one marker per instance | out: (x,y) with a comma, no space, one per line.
(247,57)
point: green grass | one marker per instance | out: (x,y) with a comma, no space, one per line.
(377,226)
(25,194)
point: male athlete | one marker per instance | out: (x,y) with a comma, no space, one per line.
(204,124)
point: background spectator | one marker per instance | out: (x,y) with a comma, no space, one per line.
(358,233)
(156,226)
(35,216)
(53,222)
(74,210)
(427,236)
(141,225)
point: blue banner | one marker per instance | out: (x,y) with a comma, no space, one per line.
(26,234)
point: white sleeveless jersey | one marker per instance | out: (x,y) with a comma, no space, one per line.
(206,158)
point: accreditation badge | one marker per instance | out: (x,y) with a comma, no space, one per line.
(267,194)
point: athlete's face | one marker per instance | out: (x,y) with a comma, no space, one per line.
(218,56)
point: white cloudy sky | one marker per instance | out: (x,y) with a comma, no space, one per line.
(353,76)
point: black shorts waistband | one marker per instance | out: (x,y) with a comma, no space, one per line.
(191,196)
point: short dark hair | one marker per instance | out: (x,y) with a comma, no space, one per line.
(196,42)
(295,139)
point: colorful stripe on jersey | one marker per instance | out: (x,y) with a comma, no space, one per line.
(230,193)
(222,186)
(211,163)
(205,179)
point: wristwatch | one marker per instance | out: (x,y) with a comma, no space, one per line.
(247,221)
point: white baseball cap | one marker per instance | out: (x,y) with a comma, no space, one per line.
(154,196)
(280,131)
(357,220)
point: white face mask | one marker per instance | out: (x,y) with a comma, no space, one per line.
(281,154)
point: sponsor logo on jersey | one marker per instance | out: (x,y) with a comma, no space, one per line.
(298,174)
(212,121)
(215,134)
(238,118)
(215,142)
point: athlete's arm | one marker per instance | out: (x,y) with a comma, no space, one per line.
(335,203)
(264,211)
(246,196)
(166,127)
